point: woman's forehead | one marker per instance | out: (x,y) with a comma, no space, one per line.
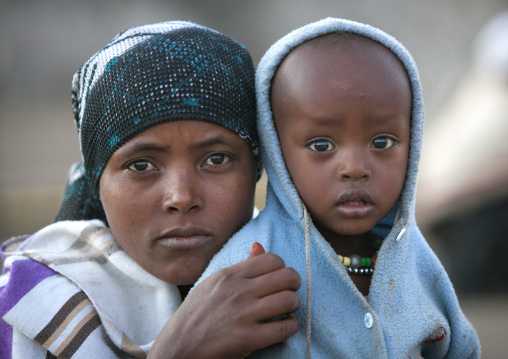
(192,134)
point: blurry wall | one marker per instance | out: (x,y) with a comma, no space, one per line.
(42,43)
(463,196)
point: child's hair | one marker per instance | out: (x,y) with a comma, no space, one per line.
(333,39)
(148,75)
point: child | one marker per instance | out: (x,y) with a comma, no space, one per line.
(340,122)
(166,118)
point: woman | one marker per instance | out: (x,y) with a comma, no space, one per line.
(166,121)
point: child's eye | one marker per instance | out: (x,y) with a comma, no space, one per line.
(140,166)
(383,142)
(321,146)
(217,159)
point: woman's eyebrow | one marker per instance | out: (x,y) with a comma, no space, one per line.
(216,140)
(132,149)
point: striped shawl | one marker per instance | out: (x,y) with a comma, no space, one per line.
(70,291)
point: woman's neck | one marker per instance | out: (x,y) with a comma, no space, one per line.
(184,290)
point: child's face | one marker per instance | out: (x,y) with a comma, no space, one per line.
(342,114)
(175,193)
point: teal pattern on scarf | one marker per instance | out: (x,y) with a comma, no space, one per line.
(150,75)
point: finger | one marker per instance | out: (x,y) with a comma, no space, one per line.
(276,305)
(256,250)
(275,332)
(276,281)
(259,265)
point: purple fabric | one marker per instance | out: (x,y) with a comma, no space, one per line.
(3,246)
(25,275)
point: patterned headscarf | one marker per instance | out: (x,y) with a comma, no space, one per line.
(149,75)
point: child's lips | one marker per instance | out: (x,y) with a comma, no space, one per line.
(355,203)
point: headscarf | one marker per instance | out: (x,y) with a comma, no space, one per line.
(148,75)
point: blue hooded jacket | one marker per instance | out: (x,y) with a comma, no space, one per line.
(412,310)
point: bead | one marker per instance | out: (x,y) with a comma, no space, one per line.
(356,261)
(366,262)
(374,259)
(377,242)
(360,271)
(358,265)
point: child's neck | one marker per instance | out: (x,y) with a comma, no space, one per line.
(361,245)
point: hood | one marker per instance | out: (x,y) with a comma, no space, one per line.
(410,296)
(280,185)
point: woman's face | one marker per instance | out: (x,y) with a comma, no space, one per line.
(175,193)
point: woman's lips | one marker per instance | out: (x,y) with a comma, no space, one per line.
(185,238)
(355,203)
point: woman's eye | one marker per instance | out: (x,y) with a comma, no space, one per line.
(383,142)
(141,166)
(321,146)
(217,159)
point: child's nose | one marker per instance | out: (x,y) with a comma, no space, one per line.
(353,166)
(181,192)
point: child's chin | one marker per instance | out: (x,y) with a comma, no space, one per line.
(357,231)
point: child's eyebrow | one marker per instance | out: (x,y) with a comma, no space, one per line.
(317,120)
(379,120)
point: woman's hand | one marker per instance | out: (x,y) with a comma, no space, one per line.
(226,316)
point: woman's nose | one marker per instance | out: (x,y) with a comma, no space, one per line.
(181,192)
(353,166)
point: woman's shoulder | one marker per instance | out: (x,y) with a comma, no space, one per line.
(55,237)
(41,307)
(33,295)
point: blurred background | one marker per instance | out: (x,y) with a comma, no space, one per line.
(460,46)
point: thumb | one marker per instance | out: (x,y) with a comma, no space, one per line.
(256,250)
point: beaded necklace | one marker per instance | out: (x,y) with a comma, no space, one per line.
(361,265)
